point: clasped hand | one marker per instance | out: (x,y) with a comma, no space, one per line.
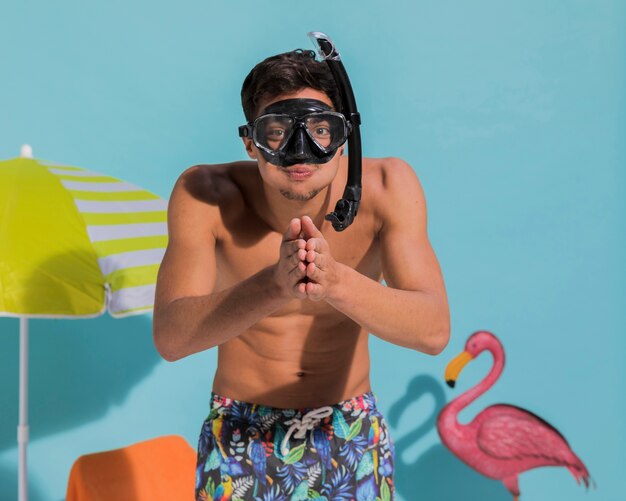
(306,269)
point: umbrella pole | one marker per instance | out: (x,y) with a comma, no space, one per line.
(22,429)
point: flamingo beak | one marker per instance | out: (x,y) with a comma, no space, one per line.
(455,367)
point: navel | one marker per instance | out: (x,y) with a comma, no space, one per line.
(300,374)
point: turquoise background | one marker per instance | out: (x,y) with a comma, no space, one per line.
(513,115)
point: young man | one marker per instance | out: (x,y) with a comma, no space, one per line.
(253,268)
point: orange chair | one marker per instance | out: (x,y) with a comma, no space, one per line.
(160,469)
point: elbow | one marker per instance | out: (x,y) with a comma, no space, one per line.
(438,341)
(441,334)
(169,355)
(436,347)
(165,347)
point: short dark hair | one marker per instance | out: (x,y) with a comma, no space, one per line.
(284,74)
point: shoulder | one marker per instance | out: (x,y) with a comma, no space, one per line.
(394,186)
(389,174)
(203,192)
(216,184)
(205,183)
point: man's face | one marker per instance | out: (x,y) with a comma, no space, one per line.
(301,181)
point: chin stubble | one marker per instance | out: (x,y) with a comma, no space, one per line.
(300,197)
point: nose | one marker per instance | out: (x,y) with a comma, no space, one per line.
(299,150)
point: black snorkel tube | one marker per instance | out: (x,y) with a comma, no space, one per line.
(347,207)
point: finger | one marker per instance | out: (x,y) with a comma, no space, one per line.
(294,230)
(297,273)
(311,256)
(314,273)
(314,291)
(308,228)
(297,257)
(317,244)
(300,289)
(311,244)
(302,268)
(317,258)
(290,247)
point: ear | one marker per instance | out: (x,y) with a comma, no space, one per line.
(250,148)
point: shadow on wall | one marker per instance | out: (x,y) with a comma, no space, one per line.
(78,370)
(8,484)
(78,367)
(437,474)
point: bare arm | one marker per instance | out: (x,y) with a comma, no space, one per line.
(188,325)
(188,316)
(413,319)
(412,311)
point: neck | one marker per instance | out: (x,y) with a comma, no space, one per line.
(278,209)
(281,210)
(459,403)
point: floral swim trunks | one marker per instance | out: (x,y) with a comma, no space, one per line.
(340,452)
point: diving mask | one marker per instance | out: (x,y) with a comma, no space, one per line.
(296,131)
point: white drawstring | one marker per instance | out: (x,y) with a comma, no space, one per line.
(309,421)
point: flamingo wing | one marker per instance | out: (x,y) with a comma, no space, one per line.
(509,432)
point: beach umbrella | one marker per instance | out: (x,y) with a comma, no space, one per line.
(74,243)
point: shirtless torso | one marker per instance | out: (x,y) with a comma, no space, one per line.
(306,353)
(295,353)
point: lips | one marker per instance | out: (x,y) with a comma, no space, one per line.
(299,174)
(299,170)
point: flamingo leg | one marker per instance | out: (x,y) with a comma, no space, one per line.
(512,486)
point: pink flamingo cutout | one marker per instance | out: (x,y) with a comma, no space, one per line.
(502,441)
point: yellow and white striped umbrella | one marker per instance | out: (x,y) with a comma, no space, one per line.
(75,243)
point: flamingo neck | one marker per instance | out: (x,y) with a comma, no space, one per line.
(473,393)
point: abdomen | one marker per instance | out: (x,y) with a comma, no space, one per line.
(295,361)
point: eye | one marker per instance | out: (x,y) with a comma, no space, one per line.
(322,131)
(322,128)
(319,128)
(275,133)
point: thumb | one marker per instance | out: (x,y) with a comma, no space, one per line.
(293,231)
(309,228)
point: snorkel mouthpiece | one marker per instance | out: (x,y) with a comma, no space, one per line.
(347,207)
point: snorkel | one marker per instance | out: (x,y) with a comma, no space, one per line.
(348,206)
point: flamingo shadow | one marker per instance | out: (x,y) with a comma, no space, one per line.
(436,474)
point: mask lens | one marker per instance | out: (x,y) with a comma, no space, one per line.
(326,129)
(271,132)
